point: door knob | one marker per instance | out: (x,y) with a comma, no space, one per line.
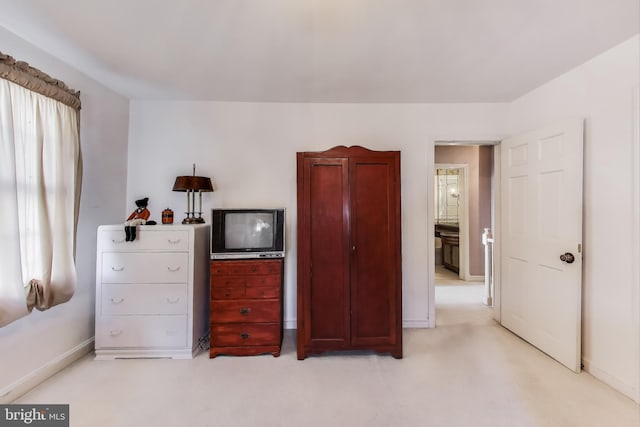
(567,257)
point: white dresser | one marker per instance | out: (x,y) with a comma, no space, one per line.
(152,294)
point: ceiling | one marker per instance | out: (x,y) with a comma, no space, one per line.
(323,50)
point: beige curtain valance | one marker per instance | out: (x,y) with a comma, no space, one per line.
(21,73)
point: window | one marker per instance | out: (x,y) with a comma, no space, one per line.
(40,169)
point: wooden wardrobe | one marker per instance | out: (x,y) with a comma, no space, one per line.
(349,251)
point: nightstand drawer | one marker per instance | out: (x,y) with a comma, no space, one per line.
(154,298)
(146,239)
(145,267)
(270,280)
(228,282)
(242,281)
(245,334)
(228,293)
(245,267)
(141,331)
(263,292)
(245,311)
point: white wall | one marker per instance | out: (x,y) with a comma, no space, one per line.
(34,347)
(601,91)
(249,150)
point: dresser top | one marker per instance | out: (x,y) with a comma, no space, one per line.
(112,227)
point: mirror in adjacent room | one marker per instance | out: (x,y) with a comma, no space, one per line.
(447,192)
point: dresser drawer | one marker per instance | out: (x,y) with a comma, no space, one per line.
(261,281)
(240,292)
(245,334)
(152,298)
(228,282)
(263,292)
(155,239)
(141,331)
(245,267)
(228,293)
(242,281)
(245,311)
(145,267)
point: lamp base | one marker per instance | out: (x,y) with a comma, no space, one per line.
(193,221)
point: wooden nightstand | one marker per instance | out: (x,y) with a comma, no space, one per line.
(246,307)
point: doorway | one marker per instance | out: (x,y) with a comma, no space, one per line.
(463,198)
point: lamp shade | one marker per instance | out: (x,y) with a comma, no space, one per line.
(195,183)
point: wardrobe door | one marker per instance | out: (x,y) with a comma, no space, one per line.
(323,270)
(375,252)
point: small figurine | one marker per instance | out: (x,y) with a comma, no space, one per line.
(137,217)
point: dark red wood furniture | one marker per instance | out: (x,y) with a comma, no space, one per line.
(349,251)
(246,307)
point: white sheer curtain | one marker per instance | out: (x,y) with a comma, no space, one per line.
(40,173)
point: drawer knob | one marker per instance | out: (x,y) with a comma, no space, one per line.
(244,335)
(245,311)
(117,268)
(117,300)
(174,242)
(117,241)
(174,269)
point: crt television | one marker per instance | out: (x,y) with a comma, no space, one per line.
(247,233)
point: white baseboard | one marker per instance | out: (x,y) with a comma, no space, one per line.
(475,278)
(290,324)
(615,383)
(29,381)
(415,323)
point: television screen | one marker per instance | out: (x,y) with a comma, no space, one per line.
(248,230)
(247,233)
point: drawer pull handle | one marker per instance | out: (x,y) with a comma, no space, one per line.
(117,300)
(117,268)
(174,242)
(173,301)
(174,269)
(245,311)
(244,335)
(115,333)
(117,242)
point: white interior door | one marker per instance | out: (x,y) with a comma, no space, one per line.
(541,257)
